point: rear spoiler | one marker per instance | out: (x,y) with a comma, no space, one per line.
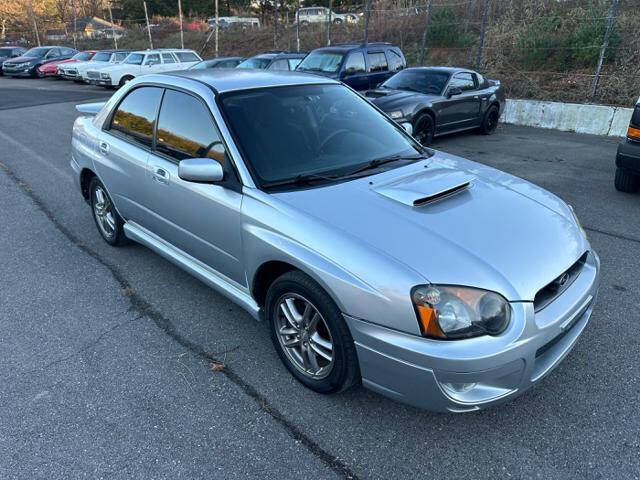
(90,108)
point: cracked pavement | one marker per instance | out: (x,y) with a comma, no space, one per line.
(105,353)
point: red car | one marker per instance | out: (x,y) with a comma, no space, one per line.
(50,69)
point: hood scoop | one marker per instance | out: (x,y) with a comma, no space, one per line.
(423,189)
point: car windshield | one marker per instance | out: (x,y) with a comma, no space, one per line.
(321,62)
(203,65)
(82,56)
(101,57)
(134,59)
(256,62)
(423,81)
(287,132)
(36,52)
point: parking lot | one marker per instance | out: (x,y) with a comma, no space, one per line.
(108,357)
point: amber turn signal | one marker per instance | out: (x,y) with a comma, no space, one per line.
(428,323)
(633,133)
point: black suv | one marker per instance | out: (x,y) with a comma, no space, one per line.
(362,67)
(26,65)
(8,52)
(274,60)
(628,157)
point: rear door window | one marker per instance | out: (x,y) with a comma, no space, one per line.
(186,129)
(464,81)
(377,62)
(395,61)
(279,65)
(187,56)
(152,58)
(168,58)
(136,115)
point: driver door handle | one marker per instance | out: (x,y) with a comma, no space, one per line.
(160,175)
(104,147)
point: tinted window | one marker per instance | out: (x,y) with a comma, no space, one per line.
(36,52)
(395,61)
(54,52)
(635,118)
(120,56)
(377,62)
(83,56)
(324,129)
(187,57)
(464,81)
(5,52)
(228,64)
(355,63)
(101,57)
(255,62)
(67,51)
(279,65)
(186,130)
(422,80)
(152,58)
(168,58)
(136,114)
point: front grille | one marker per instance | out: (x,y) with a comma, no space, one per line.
(554,289)
(92,74)
(71,72)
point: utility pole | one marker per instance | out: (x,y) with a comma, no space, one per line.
(217,27)
(426,31)
(485,14)
(75,23)
(181,32)
(146,16)
(367,14)
(113,32)
(275,24)
(329,23)
(603,48)
(35,25)
(298,25)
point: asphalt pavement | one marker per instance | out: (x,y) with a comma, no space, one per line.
(110,358)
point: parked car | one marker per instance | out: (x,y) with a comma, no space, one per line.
(79,72)
(50,69)
(309,15)
(361,67)
(27,64)
(274,60)
(10,52)
(432,101)
(145,62)
(222,62)
(234,22)
(628,157)
(434,280)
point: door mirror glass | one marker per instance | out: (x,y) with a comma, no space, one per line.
(200,170)
(453,91)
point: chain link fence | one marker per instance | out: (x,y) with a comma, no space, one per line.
(583,51)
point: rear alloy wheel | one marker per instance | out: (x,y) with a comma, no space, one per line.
(626,181)
(490,121)
(310,335)
(424,129)
(109,223)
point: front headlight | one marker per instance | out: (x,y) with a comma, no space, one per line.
(577,220)
(450,312)
(106,76)
(397,114)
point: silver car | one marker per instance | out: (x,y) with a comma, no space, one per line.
(431,279)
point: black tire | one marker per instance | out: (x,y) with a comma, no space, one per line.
(424,129)
(626,181)
(337,21)
(345,371)
(116,237)
(124,80)
(490,121)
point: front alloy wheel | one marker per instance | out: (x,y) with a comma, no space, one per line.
(304,336)
(109,223)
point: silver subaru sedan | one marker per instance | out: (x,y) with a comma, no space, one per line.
(428,278)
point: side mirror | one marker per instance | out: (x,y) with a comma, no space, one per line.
(453,91)
(200,170)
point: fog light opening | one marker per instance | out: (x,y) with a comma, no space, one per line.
(458,387)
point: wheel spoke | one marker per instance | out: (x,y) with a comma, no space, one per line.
(110,223)
(284,306)
(313,361)
(291,343)
(313,323)
(288,331)
(326,344)
(320,351)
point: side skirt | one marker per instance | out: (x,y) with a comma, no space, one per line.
(193,266)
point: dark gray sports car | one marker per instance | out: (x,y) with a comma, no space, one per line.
(438,100)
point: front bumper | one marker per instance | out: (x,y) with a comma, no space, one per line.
(466,375)
(18,72)
(628,157)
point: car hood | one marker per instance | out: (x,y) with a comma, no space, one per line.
(499,233)
(24,59)
(388,99)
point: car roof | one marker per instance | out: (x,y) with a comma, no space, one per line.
(223,80)
(222,59)
(163,50)
(449,70)
(345,47)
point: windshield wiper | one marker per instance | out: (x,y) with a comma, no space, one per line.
(302,179)
(377,162)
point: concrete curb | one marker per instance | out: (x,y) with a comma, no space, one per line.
(568,117)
